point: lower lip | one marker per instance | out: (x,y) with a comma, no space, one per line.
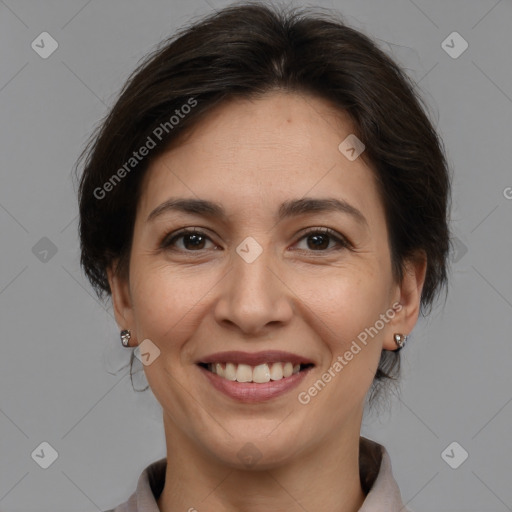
(254,392)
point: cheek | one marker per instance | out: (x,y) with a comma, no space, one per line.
(348,297)
(164,301)
(355,346)
(351,307)
(170,302)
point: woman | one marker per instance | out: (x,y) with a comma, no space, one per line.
(267,206)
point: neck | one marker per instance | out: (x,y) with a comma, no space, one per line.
(326,478)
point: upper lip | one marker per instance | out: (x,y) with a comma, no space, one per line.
(255,358)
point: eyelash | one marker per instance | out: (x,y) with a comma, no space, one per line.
(169,239)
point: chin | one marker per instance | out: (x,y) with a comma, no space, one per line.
(256,451)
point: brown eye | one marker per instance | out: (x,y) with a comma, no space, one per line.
(320,241)
(192,240)
(320,238)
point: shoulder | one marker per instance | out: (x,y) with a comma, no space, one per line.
(149,486)
(377,480)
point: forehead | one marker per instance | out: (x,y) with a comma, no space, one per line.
(263,151)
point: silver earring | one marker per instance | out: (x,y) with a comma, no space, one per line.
(400,340)
(125,337)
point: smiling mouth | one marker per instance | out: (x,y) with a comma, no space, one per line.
(260,374)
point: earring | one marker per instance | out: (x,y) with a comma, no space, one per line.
(400,340)
(125,337)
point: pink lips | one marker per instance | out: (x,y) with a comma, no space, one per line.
(255,358)
(251,391)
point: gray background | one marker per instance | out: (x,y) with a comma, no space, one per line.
(63,373)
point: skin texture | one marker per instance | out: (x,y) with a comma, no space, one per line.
(251,156)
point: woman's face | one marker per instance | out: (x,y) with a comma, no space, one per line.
(261,278)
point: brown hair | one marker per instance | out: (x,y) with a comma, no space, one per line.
(246,50)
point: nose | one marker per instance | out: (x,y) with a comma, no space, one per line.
(254,297)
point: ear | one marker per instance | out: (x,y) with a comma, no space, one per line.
(408,294)
(121,298)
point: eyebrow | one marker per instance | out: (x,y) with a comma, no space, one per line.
(292,208)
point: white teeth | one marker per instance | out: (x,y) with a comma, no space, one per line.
(260,374)
(276,372)
(287,369)
(230,373)
(244,373)
(219,370)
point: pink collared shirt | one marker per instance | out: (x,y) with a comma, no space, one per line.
(382,492)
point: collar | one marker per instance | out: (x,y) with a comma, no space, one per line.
(378,483)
